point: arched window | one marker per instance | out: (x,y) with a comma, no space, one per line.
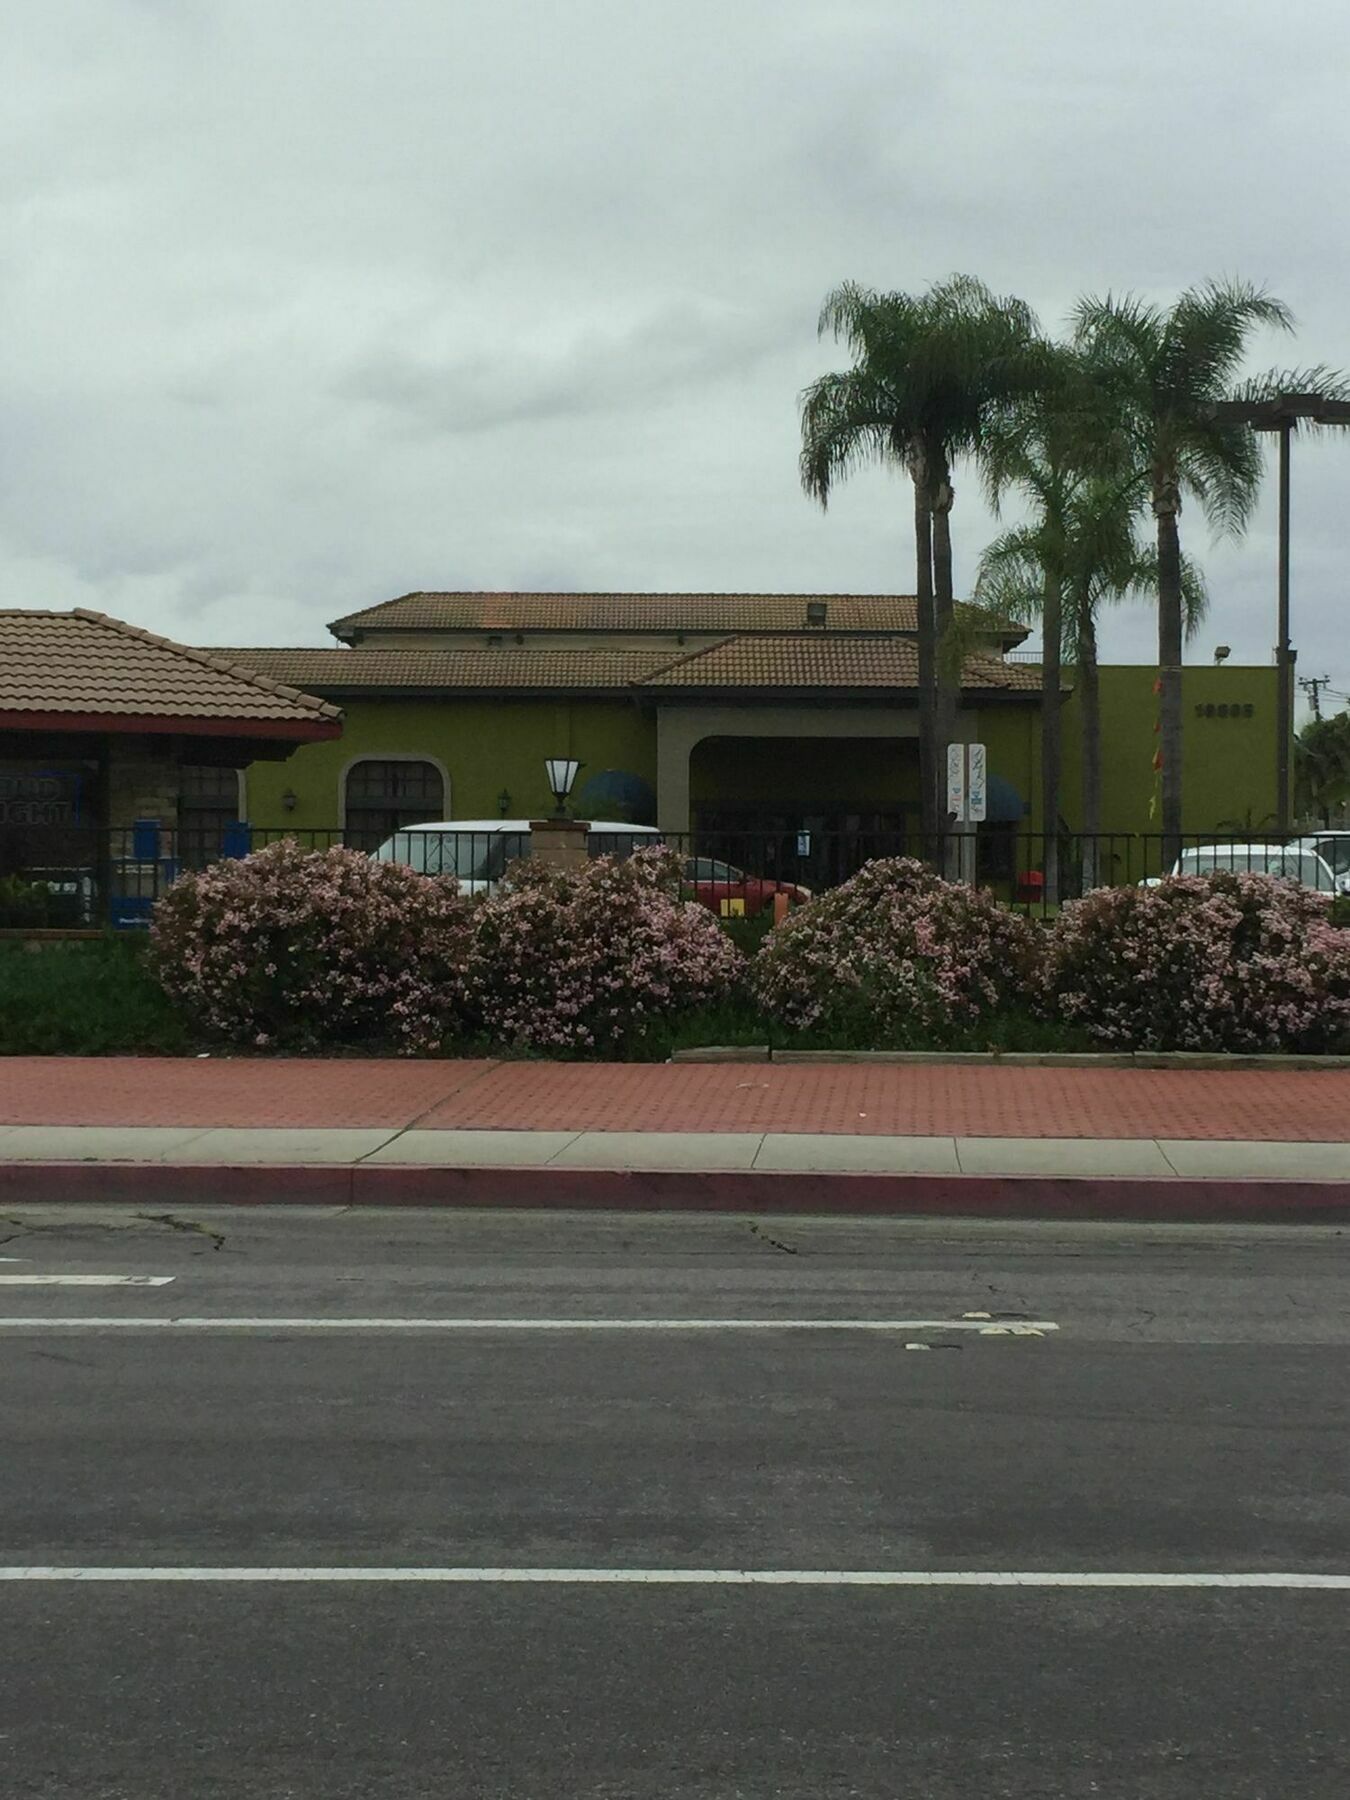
(385,794)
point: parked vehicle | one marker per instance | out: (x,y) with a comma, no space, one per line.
(729,891)
(477,851)
(1295,862)
(1334,849)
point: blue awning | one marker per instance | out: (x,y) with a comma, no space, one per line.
(1003,804)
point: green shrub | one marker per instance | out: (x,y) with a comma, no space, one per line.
(85,999)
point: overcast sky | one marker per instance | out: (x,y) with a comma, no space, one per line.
(308,303)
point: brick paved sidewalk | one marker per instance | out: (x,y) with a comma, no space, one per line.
(903,1100)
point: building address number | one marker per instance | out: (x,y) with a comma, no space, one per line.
(1208,709)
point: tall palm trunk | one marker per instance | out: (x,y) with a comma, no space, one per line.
(929,773)
(1052,632)
(1166,506)
(947,684)
(1090,698)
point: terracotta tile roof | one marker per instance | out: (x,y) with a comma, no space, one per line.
(349,671)
(795,660)
(84,664)
(802,661)
(631,612)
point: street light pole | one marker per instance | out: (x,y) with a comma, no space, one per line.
(1282,413)
(1284,695)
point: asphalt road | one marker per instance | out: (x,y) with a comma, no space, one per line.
(1189,1415)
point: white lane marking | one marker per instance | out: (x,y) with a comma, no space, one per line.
(941,1578)
(169,1323)
(86,1280)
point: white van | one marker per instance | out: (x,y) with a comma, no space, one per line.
(1292,861)
(477,851)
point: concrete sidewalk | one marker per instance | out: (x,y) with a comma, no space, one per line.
(1077,1142)
(709,1152)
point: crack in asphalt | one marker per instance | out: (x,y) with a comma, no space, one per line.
(767,1238)
(189,1225)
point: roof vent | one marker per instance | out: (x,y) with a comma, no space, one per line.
(816,611)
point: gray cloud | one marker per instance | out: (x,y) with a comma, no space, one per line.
(306,305)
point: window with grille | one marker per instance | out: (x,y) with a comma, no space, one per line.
(208,802)
(386,796)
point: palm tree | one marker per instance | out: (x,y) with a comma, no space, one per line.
(1166,369)
(1080,554)
(930,374)
(1043,446)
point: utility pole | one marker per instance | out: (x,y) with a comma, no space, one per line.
(1312,686)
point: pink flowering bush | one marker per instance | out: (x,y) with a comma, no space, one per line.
(1207,962)
(897,956)
(591,960)
(295,949)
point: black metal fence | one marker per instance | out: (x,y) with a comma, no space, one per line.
(93,879)
(78,877)
(1034,871)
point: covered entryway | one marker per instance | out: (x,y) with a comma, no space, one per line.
(782,760)
(809,810)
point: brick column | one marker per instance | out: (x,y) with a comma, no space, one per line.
(560,842)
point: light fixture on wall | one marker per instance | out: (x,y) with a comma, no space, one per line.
(504,802)
(1222,652)
(288,800)
(561,772)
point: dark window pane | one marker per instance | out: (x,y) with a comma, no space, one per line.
(213,787)
(385,796)
(208,802)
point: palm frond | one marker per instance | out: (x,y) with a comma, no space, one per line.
(1326,382)
(1011,578)
(1194,596)
(930,373)
(1207,333)
(1220,465)
(844,312)
(1118,328)
(848,421)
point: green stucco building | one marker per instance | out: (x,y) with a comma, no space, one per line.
(789,717)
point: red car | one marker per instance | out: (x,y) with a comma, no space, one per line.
(731,893)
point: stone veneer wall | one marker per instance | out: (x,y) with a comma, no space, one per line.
(143,782)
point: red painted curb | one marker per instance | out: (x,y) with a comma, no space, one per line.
(146,1185)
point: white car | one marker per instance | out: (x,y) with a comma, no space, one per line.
(1295,862)
(1334,849)
(477,851)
